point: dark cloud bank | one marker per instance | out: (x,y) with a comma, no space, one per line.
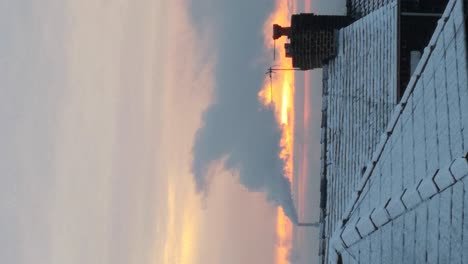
(236,127)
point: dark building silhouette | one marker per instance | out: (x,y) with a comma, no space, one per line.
(394,157)
(394,131)
(357,9)
(312,39)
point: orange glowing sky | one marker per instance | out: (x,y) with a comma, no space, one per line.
(280,96)
(105,177)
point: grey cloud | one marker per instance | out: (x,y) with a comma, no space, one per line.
(236,127)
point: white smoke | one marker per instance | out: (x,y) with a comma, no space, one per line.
(249,139)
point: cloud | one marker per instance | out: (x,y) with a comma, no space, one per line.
(187,85)
(236,222)
(248,138)
(80,119)
(236,127)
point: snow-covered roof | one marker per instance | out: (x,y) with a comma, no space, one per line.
(411,204)
(360,86)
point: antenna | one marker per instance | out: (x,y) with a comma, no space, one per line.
(274,49)
(269,73)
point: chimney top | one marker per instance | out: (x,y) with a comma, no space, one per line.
(279,31)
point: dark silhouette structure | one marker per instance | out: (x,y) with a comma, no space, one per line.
(312,39)
(385,111)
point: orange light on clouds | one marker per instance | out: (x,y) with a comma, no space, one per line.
(287,122)
(284,237)
(180,113)
(279,95)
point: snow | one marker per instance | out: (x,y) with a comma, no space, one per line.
(395,207)
(456,234)
(421,234)
(394,119)
(380,216)
(379,149)
(459,168)
(427,188)
(443,178)
(411,198)
(357,106)
(365,226)
(350,235)
(420,165)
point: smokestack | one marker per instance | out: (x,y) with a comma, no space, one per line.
(316,224)
(279,31)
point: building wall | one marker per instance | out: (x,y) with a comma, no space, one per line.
(360,8)
(313,39)
(311,48)
(415,33)
(358,98)
(418,177)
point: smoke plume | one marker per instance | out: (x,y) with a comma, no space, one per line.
(247,136)
(236,128)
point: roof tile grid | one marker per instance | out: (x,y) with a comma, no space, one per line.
(427,188)
(443,178)
(445,215)
(438,125)
(380,216)
(456,232)
(365,226)
(432,226)
(350,235)
(421,233)
(411,198)
(355,114)
(459,168)
(465,216)
(409,239)
(395,207)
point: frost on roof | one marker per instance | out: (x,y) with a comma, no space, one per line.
(359,95)
(419,176)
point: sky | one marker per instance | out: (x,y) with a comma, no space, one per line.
(103,108)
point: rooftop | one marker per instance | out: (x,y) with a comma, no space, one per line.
(359,94)
(410,203)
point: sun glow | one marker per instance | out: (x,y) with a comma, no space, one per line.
(283,236)
(278,93)
(182,232)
